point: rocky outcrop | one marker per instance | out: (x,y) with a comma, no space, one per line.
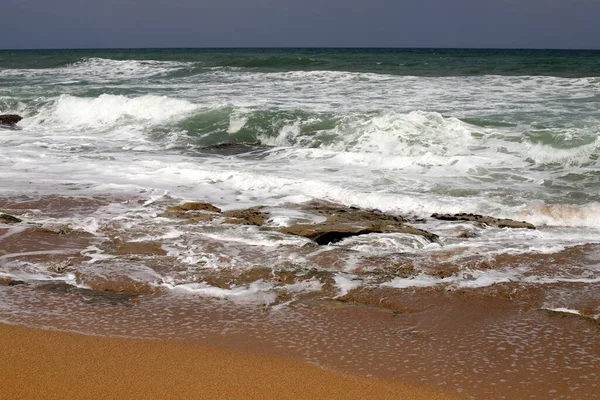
(10,119)
(337,213)
(325,233)
(342,222)
(491,221)
(205,212)
(335,221)
(9,219)
(248,216)
(196,206)
(193,211)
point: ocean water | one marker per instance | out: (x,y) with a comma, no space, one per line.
(510,134)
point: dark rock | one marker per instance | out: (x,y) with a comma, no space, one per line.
(343,222)
(249,216)
(16,283)
(234,149)
(325,233)
(10,119)
(491,221)
(9,219)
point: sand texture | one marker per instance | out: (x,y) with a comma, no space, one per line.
(38,364)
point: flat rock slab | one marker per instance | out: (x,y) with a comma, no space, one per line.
(491,221)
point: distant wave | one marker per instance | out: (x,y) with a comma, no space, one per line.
(273,62)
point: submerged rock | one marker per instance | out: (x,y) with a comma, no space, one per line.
(89,296)
(10,119)
(9,219)
(140,248)
(491,221)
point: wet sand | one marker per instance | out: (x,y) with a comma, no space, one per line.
(57,365)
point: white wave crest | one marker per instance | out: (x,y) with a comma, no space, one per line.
(544,154)
(107,111)
(97,67)
(416,133)
(98,70)
(406,134)
(564,215)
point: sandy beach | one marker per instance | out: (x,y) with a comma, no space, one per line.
(57,365)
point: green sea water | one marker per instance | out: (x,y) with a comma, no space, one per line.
(417,62)
(518,126)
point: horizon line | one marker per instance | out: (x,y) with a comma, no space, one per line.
(300,48)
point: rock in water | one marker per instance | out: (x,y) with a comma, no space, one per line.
(249,216)
(187,209)
(10,119)
(342,222)
(491,221)
(9,219)
(325,234)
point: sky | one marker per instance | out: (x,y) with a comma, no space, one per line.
(564,24)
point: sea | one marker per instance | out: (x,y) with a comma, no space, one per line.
(111,139)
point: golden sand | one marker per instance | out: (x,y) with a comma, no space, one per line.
(39,364)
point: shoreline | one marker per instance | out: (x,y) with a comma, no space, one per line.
(111,267)
(62,365)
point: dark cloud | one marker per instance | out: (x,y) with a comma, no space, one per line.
(264,23)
